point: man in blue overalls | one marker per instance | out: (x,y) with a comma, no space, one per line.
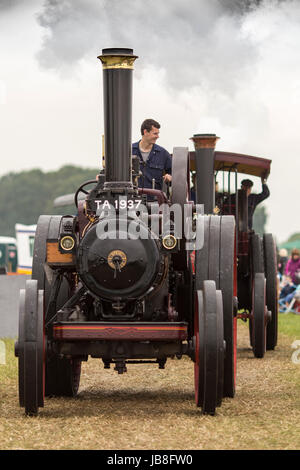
(154,160)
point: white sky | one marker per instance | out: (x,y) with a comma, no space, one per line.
(244,85)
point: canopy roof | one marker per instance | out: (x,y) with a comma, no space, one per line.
(247,164)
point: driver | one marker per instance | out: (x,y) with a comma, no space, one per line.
(154,160)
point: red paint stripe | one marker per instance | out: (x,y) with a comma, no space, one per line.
(147,328)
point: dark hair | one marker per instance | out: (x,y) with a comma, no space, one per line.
(247,183)
(147,124)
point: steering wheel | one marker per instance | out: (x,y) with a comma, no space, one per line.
(82,190)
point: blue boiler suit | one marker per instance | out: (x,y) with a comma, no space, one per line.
(158,160)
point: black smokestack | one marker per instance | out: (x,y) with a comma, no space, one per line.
(204,161)
(117,91)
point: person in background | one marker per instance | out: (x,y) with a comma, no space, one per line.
(288,288)
(292,267)
(282,260)
(254,199)
(155,161)
(286,294)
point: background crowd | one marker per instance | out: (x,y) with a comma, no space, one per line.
(289,281)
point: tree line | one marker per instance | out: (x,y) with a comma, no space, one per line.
(24,196)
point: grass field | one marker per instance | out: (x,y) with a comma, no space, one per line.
(289,324)
(148,408)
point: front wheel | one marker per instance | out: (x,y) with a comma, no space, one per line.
(209,348)
(62,375)
(30,348)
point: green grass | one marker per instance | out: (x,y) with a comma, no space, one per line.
(148,408)
(9,369)
(289,324)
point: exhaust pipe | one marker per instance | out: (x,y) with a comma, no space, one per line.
(204,160)
(117,67)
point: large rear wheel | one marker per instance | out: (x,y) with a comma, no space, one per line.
(180,196)
(259,315)
(271,289)
(256,266)
(63,376)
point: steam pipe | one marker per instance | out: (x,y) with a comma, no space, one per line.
(117,67)
(204,159)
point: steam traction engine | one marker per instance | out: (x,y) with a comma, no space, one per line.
(105,284)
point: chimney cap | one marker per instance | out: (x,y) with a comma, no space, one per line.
(118,51)
(205,135)
(204,140)
(117,58)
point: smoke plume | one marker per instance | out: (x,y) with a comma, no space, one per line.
(195,41)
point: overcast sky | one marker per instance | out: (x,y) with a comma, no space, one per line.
(228,67)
